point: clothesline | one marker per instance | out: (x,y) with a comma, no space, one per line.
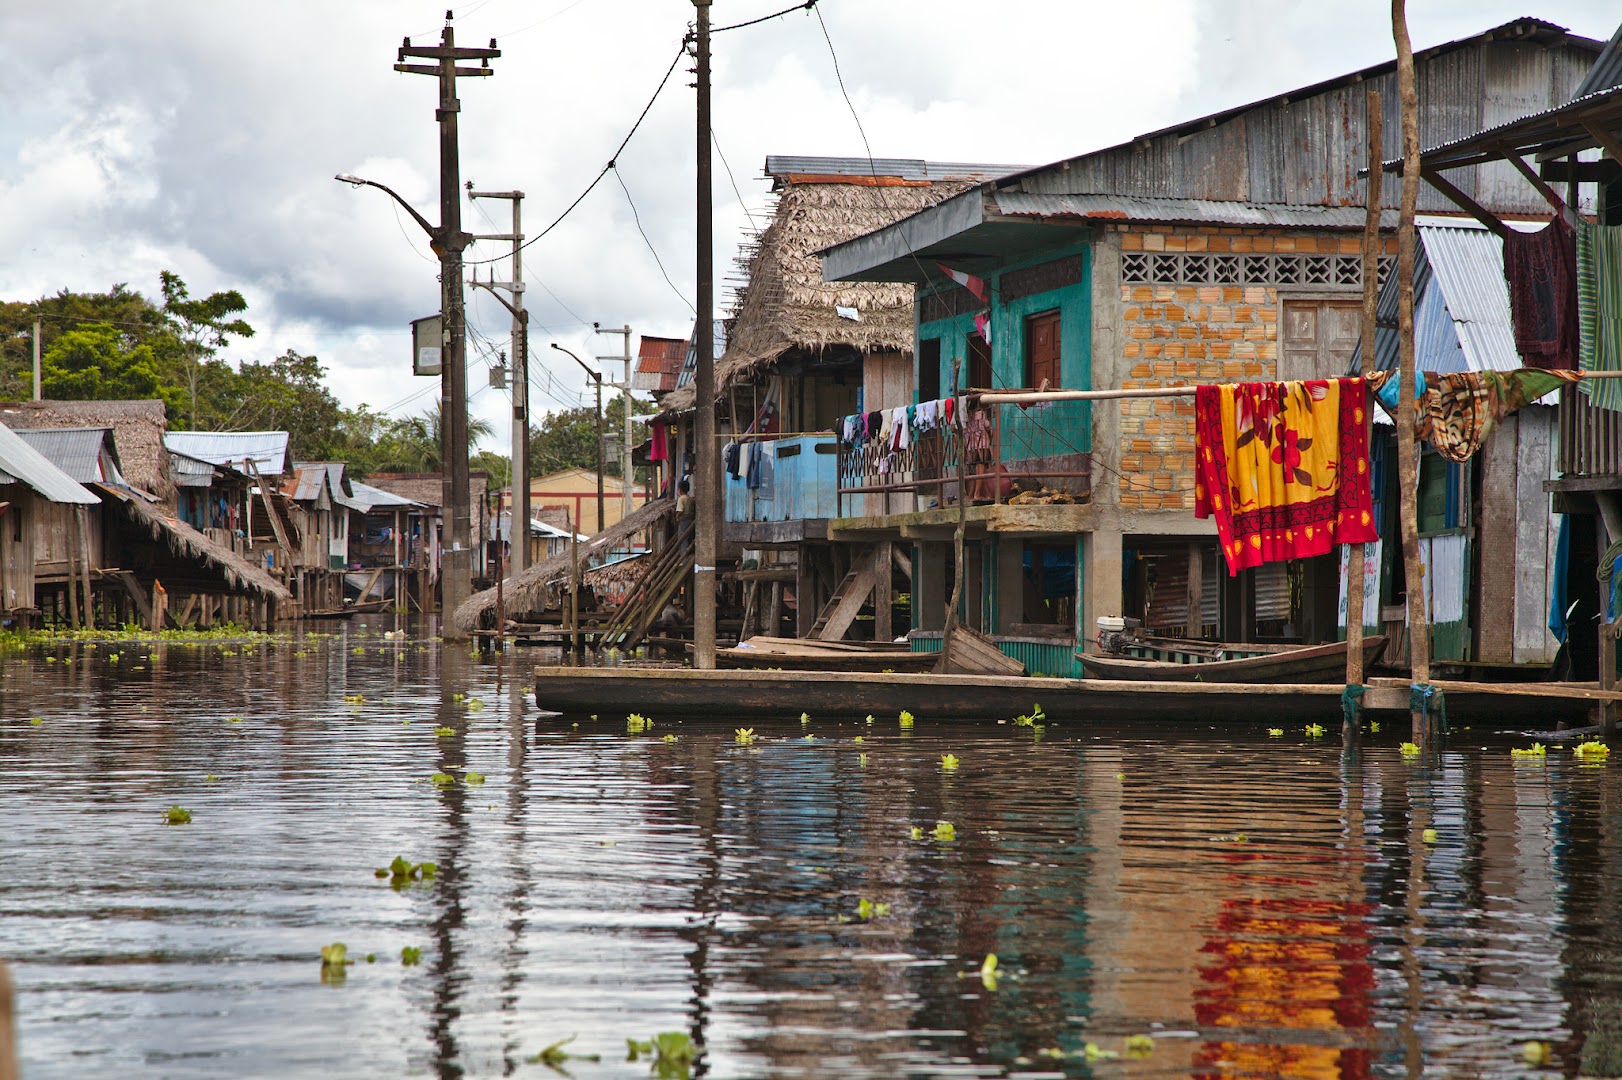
(1034,397)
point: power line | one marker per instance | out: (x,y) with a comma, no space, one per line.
(734,180)
(638,219)
(807,6)
(682,51)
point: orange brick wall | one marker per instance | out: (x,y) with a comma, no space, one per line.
(1185,334)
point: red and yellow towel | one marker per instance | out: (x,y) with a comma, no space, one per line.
(1284,468)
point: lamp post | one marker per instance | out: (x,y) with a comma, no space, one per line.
(596,377)
(448,242)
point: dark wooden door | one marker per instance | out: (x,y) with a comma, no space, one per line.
(1042,349)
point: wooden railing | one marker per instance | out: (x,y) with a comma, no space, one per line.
(1003,450)
(1590,438)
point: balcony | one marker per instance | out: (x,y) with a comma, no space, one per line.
(1008,453)
(795,492)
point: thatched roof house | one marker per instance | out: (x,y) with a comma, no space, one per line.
(784,306)
(138,430)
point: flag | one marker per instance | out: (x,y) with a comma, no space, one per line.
(975,285)
(982,323)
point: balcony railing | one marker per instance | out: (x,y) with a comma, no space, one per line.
(1004,450)
(1590,438)
(794,479)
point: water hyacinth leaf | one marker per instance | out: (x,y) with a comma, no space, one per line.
(1409,749)
(1592,750)
(861,759)
(1275,732)
(670,738)
(410,956)
(805,718)
(988,971)
(1139,1046)
(949,762)
(945,830)
(440,779)
(1429,836)
(474,778)
(906,718)
(743,736)
(1315,731)
(335,955)
(445,732)
(917,832)
(177,815)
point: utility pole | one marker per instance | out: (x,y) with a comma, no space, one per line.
(706,479)
(597,378)
(626,503)
(456,559)
(518,527)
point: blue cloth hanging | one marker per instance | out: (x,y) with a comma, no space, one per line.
(1558,604)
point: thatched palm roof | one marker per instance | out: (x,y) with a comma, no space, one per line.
(187,543)
(138,429)
(786,305)
(528,591)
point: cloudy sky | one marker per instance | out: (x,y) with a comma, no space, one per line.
(202,136)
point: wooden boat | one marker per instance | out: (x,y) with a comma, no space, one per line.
(746,697)
(802,654)
(349,611)
(1173,660)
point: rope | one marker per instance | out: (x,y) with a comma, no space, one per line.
(1605,571)
(1420,697)
(1351,703)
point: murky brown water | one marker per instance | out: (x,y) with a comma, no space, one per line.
(616,885)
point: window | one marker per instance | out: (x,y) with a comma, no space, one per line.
(929,369)
(1042,349)
(979,372)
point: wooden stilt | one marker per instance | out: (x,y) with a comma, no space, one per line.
(8,1028)
(83,517)
(1371,294)
(1407,450)
(73,574)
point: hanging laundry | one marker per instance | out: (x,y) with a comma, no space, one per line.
(757,453)
(729,459)
(900,432)
(1599,310)
(659,442)
(1283,468)
(1541,271)
(949,411)
(1458,411)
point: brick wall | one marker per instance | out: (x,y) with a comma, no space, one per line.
(1174,332)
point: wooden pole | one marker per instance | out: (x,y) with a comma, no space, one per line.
(1407,450)
(959,531)
(706,474)
(8,1030)
(73,573)
(574,591)
(84,545)
(1371,295)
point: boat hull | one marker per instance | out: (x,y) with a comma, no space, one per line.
(1312,664)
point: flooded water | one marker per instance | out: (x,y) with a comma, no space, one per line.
(1259,906)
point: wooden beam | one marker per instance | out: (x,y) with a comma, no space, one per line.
(8,1029)
(1607,142)
(1549,194)
(1464,202)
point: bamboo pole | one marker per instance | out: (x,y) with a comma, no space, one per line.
(957,534)
(1371,294)
(574,591)
(1407,449)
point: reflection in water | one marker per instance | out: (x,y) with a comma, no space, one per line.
(1266,908)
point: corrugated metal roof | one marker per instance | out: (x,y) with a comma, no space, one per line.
(1134,208)
(187,471)
(266,449)
(1607,70)
(22,463)
(308,481)
(85,454)
(1546,125)
(369,498)
(779,165)
(1468,267)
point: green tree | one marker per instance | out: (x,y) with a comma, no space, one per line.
(567,439)
(200,328)
(97,362)
(288,394)
(129,313)
(497,466)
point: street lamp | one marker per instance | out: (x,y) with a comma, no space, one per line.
(596,377)
(448,241)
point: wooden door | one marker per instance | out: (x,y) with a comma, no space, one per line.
(1318,339)
(979,371)
(1042,350)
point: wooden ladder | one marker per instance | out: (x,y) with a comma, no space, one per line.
(848,599)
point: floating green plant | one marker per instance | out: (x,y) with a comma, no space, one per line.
(670,1054)
(857,739)
(1536,750)
(1275,733)
(354,699)
(474,704)
(1429,836)
(867,909)
(444,732)
(670,738)
(35,722)
(906,718)
(1374,726)
(440,779)
(1409,749)
(949,762)
(1537,1053)
(637,723)
(335,955)
(474,778)
(1093,1052)
(743,736)
(554,1056)
(808,737)
(917,832)
(870,719)
(177,815)
(1139,1046)
(410,955)
(210,778)
(1596,750)
(945,830)
(861,759)
(234,720)
(402,872)
(988,971)
(1315,731)
(1031,719)
(805,718)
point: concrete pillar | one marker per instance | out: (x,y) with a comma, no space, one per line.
(1010,583)
(930,587)
(1101,573)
